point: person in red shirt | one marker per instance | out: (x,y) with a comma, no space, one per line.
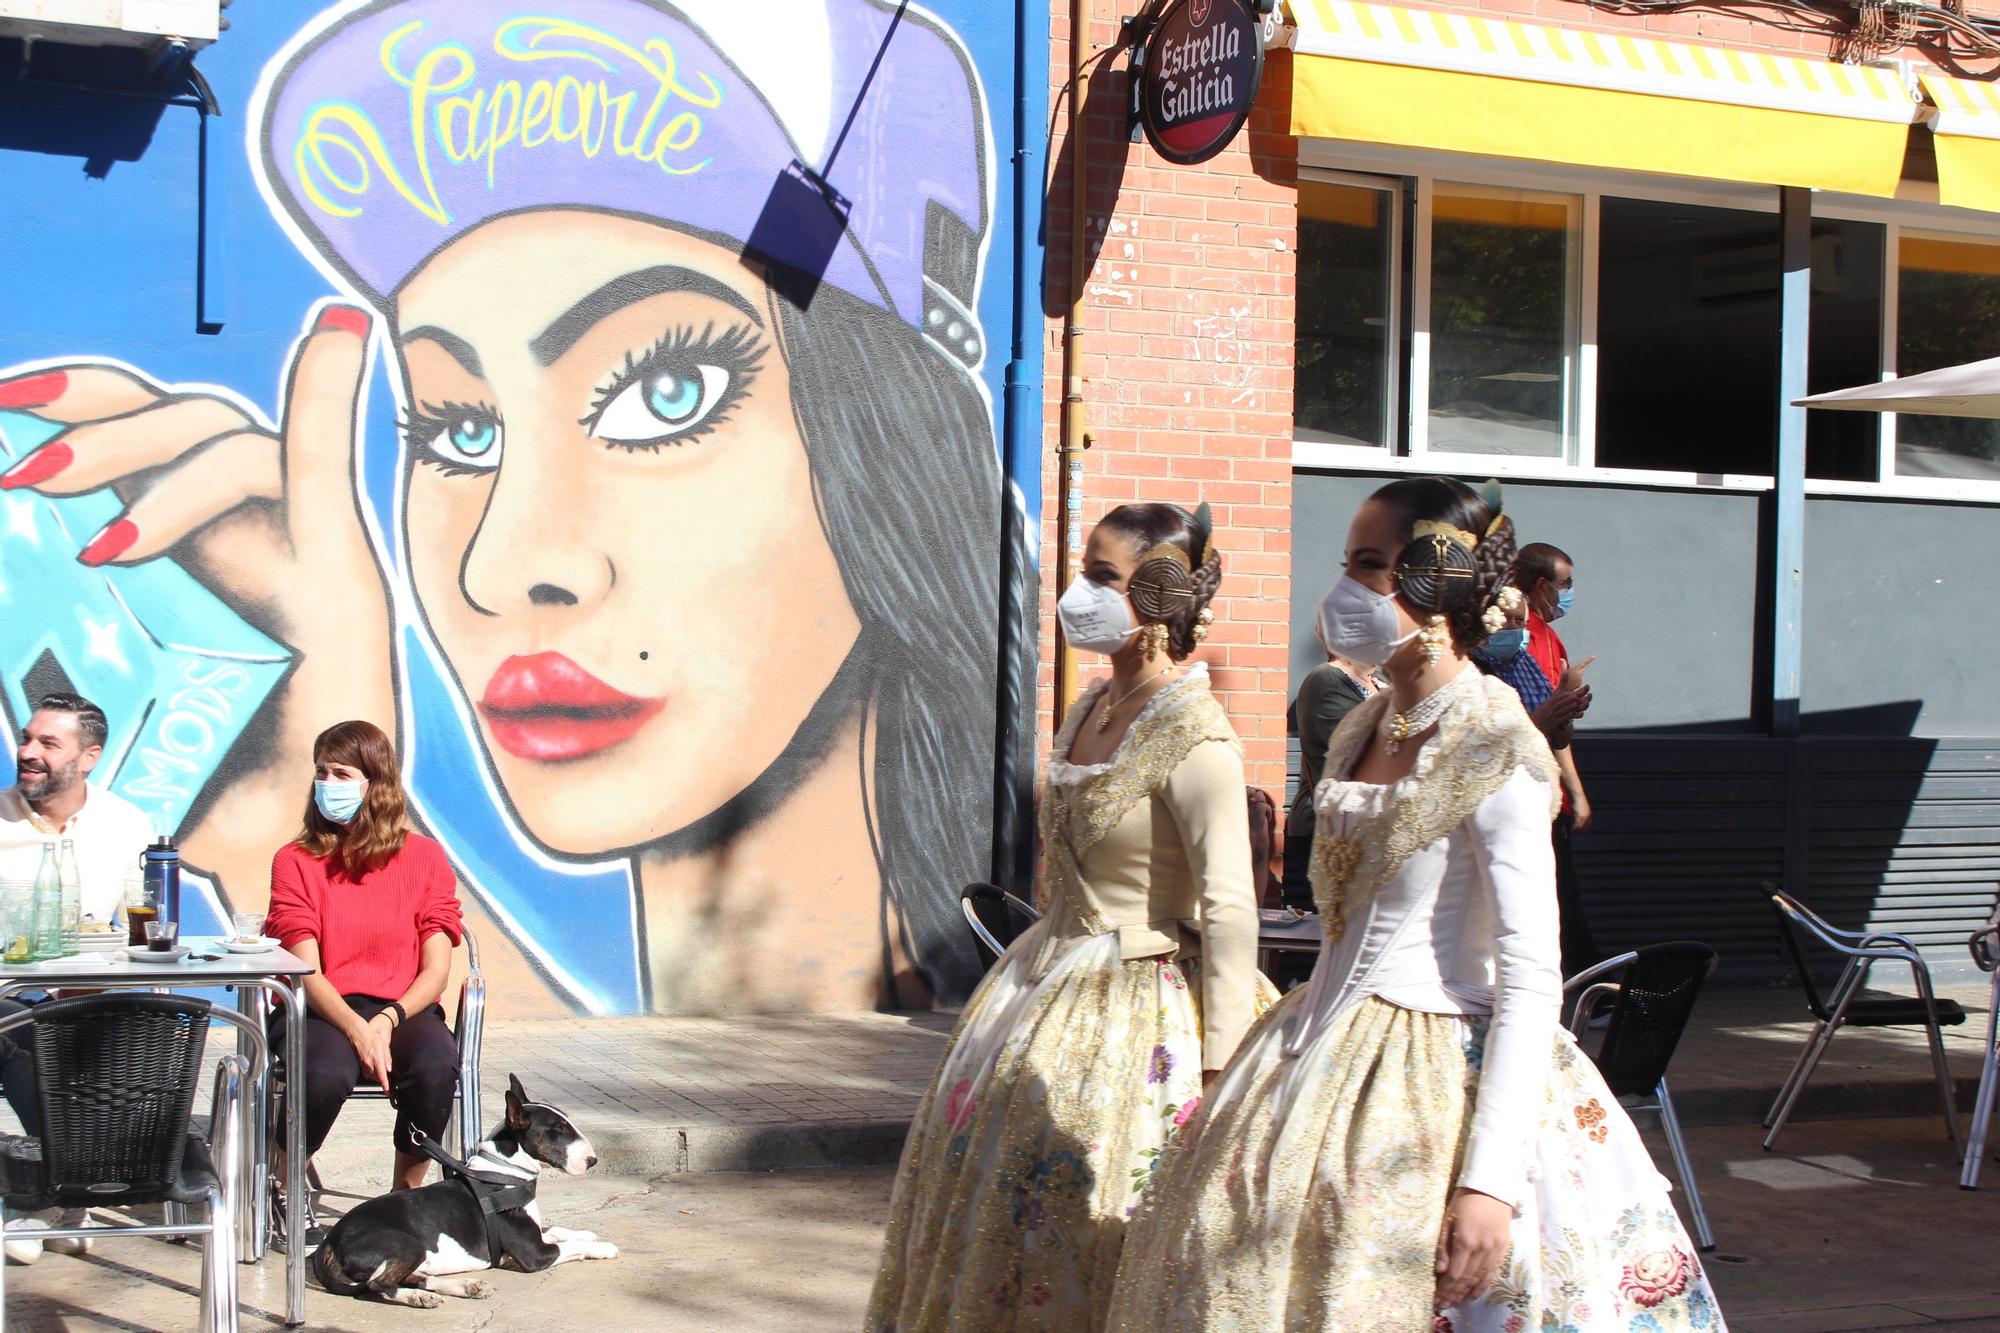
(1547,577)
(374,905)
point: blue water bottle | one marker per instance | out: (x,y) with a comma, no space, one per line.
(163,877)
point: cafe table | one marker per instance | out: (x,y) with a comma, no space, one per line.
(259,979)
(1282,930)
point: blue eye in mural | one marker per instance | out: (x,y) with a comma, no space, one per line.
(454,437)
(683,388)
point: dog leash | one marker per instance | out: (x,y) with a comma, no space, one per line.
(496,1193)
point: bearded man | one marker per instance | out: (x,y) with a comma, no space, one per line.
(52,800)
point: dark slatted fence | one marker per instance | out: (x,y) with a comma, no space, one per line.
(1874,832)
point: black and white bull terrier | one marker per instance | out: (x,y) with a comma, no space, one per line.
(409,1246)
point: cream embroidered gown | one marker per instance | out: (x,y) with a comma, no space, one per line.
(1080,1055)
(1424,1054)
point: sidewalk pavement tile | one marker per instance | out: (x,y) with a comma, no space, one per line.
(1829,1321)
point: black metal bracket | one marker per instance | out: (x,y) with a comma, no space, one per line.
(1137,30)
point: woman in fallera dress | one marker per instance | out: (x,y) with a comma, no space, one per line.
(1410,1141)
(1086,1048)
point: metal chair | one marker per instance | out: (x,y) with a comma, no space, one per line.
(996,916)
(1862,949)
(1652,999)
(116,1080)
(468,1029)
(1985,945)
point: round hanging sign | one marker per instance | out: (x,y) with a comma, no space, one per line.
(1203,62)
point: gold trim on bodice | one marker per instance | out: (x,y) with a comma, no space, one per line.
(1083,803)
(1482,738)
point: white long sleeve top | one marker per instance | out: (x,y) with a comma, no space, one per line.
(1467,925)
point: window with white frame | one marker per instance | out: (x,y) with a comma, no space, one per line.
(1503,324)
(1350,257)
(1470,323)
(1948,312)
(1688,339)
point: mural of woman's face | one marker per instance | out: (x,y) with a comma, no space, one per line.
(610,519)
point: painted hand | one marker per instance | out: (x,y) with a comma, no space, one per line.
(269,521)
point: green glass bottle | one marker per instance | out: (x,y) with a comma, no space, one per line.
(71,876)
(47,936)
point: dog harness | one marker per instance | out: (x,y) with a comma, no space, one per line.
(496,1192)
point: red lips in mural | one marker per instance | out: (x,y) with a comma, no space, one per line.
(547,707)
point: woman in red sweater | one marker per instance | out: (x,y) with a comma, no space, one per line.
(374,905)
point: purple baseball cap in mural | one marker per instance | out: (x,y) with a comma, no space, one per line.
(391,128)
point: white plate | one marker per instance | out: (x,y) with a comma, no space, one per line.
(139,953)
(262,944)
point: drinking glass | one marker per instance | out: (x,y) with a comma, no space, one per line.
(249,926)
(160,935)
(138,907)
(17,919)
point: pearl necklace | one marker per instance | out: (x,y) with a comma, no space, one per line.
(1423,715)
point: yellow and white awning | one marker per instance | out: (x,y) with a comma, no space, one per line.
(1465,83)
(1966,132)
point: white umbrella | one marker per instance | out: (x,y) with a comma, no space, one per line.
(1970,390)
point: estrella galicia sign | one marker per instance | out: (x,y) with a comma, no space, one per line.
(1203,61)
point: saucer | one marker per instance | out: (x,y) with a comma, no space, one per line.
(262,944)
(139,953)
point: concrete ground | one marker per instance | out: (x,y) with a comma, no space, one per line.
(1857,1224)
(745,1179)
(699,1253)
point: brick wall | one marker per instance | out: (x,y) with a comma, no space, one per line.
(1186,362)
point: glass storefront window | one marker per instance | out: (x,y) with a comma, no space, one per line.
(1688,339)
(1503,322)
(1948,312)
(1346,351)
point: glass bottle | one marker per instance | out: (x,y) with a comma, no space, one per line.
(72,898)
(47,935)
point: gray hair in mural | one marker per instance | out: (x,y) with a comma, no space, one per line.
(707,580)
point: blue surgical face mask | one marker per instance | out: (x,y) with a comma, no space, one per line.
(339,801)
(1507,644)
(1565,599)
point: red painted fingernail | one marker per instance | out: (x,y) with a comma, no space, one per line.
(111,543)
(34,390)
(42,464)
(344,319)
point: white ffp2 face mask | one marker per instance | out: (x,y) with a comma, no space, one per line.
(1094,617)
(1360,624)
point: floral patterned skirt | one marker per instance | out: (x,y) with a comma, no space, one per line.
(1042,1126)
(1311,1196)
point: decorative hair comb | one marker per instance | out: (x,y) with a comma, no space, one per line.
(1426,527)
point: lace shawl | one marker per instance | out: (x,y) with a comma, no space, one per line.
(1083,803)
(1482,738)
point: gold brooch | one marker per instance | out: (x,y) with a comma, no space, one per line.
(1337,859)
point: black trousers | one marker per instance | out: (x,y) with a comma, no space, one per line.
(1579,948)
(17,1071)
(423,1072)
